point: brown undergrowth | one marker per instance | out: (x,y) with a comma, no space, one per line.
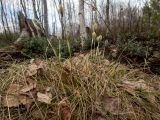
(83,87)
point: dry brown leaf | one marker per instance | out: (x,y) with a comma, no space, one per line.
(67,65)
(35,67)
(44,97)
(15,100)
(108,104)
(40,64)
(14,95)
(13,89)
(48,89)
(135,84)
(30,85)
(64,110)
(10,101)
(32,70)
(111,104)
(25,100)
(77,61)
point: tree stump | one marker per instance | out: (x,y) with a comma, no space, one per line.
(28,28)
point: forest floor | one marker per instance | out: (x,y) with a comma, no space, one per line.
(86,86)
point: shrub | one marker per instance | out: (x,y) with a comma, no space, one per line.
(133,46)
(42,46)
(7,39)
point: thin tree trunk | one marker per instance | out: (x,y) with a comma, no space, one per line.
(34,9)
(107,13)
(3,15)
(12,19)
(70,16)
(95,12)
(82,22)
(45,15)
(92,15)
(39,12)
(23,4)
(61,13)
(2,18)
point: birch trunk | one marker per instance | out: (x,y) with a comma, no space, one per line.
(34,9)
(82,23)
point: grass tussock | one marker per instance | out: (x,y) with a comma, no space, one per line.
(94,88)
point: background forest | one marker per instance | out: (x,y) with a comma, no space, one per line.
(133,25)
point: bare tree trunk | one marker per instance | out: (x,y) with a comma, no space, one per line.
(15,18)
(92,15)
(61,13)
(23,4)
(2,19)
(94,19)
(107,13)
(82,22)
(45,15)
(39,11)
(4,16)
(12,19)
(70,16)
(34,9)
(95,11)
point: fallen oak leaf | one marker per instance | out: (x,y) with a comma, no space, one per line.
(15,100)
(36,66)
(45,98)
(16,94)
(13,89)
(29,85)
(10,101)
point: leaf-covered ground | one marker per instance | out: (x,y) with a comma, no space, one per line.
(84,87)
